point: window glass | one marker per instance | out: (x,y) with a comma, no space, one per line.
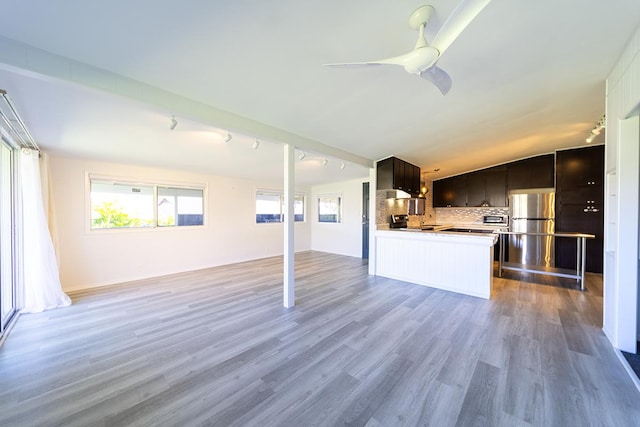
(298,208)
(121,205)
(329,209)
(270,207)
(180,206)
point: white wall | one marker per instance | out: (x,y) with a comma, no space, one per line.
(621,317)
(344,238)
(94,258)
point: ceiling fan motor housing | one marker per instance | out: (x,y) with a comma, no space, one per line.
(416,61)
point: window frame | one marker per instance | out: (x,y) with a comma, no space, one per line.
(280,193)
(340,204)
(90,177)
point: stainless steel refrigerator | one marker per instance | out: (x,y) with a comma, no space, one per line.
(532,212)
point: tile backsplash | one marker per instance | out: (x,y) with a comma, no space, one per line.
(466,215)
(387,207)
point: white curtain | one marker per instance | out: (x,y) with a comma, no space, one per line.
(42,288)
(47,201)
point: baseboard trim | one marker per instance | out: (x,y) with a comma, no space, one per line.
(628,368)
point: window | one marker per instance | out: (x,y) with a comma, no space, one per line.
(116,204)
(329,208)
(179,206)
(270,207)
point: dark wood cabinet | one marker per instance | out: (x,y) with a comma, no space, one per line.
(476,189)
(394,173)
(398,175)
(574,218)
(584,195)
(491,189)
(534,172)
(496,186)
(450,192)
(411,180)
(484,187)
(491,186)
(580,204)
(581,167)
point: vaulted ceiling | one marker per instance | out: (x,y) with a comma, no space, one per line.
(528,78)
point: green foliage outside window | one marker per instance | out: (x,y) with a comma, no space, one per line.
(110,215)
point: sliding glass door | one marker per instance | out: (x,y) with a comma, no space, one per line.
(7,236)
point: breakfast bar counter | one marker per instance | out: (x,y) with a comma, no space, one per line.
(457,262)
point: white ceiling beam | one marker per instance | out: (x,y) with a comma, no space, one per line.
(30,60)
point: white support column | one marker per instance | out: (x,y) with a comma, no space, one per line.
(289,221)
(373,185)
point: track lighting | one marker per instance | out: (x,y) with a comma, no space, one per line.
(256,144)
(324,162)
(173,123)
(228,137)
(342,165)
(602,123)
(301,156)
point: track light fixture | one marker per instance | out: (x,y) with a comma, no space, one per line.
(256,144)
(173,123)
(301,156)
(324,162)
(602,123)
(228,137)
(342,165)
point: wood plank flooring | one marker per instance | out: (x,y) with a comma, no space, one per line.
(215,347)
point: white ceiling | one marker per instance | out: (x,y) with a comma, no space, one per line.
(528,78)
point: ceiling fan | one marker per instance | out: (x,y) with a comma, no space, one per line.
(423,58)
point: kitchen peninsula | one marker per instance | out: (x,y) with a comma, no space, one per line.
(457,262)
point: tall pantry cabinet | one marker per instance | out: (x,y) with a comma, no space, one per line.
(580,204)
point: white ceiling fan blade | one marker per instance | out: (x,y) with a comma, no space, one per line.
(413,62)
(397,60)
(355,64)
(438,77)
(455,24)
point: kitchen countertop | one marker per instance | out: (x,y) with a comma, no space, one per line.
(445,229)
(462,237)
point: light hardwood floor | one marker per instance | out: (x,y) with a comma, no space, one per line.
(216,347)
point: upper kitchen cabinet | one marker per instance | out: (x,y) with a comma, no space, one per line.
(394,173)
(450,192)
(534,172)
(487,187)
(581,167)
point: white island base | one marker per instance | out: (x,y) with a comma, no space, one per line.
(457,262)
